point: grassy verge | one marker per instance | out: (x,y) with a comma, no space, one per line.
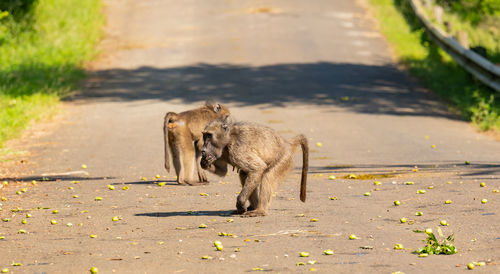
(433,67)
(42,51)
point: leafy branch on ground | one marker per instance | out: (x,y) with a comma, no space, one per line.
(434,247)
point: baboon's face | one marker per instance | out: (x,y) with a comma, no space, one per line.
(215,139)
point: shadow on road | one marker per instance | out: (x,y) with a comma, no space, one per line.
(167,182)
(359,88)
(391,170)
(53,178)
(187,213)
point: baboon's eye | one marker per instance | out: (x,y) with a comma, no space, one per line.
(207,135)
(170,121)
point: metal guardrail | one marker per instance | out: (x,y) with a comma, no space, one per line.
(482,69)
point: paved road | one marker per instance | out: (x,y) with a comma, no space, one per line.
(323,70)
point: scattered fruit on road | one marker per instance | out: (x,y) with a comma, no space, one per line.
(218,245)
(398,246)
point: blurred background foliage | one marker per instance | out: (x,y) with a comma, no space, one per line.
(44,45)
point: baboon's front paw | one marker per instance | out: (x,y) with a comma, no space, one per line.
(203,178)
(240,208)
(254,213)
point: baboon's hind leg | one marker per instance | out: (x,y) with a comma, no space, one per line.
(188,163)
(270,180)
(177,158)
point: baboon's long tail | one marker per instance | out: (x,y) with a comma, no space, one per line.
(168,118)
(302,140)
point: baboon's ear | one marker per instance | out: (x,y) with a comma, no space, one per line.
(216,108)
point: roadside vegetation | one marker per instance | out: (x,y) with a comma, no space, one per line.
(43,46)
(433,67)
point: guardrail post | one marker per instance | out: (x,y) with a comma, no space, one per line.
(449,26)
(463,39)
(438,14)
(427,4)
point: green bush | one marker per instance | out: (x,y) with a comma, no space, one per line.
(435,68)
(43,47)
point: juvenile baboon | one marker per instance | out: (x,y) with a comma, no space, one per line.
(183,136)
(262,157)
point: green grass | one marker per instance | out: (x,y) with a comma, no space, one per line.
(433,67)
(42,54)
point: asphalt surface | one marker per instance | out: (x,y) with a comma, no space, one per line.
(323,70)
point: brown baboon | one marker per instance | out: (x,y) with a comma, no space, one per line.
(262,157)
(182,135)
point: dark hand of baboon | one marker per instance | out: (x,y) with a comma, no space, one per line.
(262,157)
(183,138)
